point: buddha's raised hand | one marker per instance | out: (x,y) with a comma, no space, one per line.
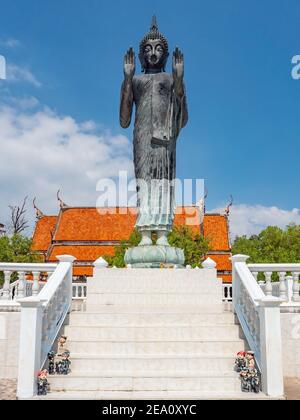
(129,63)
(178,64)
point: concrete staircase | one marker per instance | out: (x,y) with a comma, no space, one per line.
(152,334)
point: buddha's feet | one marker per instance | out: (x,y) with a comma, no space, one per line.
(146,238)
(162,238)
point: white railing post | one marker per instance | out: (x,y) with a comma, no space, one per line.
(6,286)
(68,259)
(21,285)
(236,259)
(296,297)
(36,284)
(30,346)
(271,346)
(283,292)
(269,288)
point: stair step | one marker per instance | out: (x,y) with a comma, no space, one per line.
(184,362)
(155,396)
(155,319)
(153,298)
(145,382)
(149,332)
(155,308)
(161,347)
(154,285)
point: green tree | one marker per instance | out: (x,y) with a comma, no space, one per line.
(272,245)
(194,246)
(16,248)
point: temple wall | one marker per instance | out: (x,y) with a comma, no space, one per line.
(9,344)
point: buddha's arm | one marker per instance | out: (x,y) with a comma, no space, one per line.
(126,103)
(127,89)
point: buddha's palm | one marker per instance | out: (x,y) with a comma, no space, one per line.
(129,64)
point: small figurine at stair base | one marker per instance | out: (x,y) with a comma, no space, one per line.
(51,365)
(240,362)
(245,366)
(63,366)
(42,383)
(59,363)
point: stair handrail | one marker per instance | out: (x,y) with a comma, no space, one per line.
(42,317)
(259,317)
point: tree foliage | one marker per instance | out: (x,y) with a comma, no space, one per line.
(194,246)
(16,249)
(272,245)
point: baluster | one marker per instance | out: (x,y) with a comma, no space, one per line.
(269,288)
(296,297)
(282,287)
(255,274)
(6,286)
(36,283)
(257,329)
(21,285)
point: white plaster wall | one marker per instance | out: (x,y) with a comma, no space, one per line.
(9,344)
(290,326)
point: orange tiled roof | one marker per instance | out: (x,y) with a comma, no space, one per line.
(222,260)
(42,234)
(188,216)
(114,224)
(82,253)
(226,278)
(216,230)
(83,271)
(86,224)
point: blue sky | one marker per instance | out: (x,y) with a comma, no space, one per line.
(244,128)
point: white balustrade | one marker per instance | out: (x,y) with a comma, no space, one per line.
(259,316)
(281,289)
(42,317)
(22,288)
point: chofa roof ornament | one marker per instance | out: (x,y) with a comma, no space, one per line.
(39,213)
(61,203)
(227,210)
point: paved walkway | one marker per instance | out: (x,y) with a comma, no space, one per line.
(292,389)
(8,389)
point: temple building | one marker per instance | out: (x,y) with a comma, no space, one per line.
(89,233)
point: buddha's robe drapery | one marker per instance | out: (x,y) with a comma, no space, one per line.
(160,115)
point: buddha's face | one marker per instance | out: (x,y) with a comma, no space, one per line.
(154,54)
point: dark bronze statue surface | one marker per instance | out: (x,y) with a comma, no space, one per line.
(161,112)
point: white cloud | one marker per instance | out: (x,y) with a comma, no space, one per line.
(10,43)
(251,219)
(24,103)
(21,74)
(42,152)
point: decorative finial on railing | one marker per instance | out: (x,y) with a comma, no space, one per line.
(39,213)
(101,263)
(209,264)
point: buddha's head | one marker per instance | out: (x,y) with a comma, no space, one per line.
(154,50)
